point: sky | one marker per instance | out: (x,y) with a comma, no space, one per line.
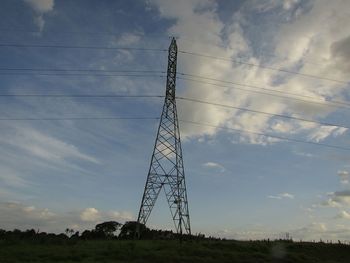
(281,57)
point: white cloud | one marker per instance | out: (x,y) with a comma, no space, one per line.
(43,146)
(304,154)
(343,215)
(331,203)
(128,39)
(341,52)
(16,215)
(250,232)
(41,7)
(287,195)
(281,196)
(288,4)
(123,215)
(21,216)
(298,39)
(274,197)
(338,199)
(93,215)
(321,230)
(312,231)
(39,20)
(215,166)
(90,215)
(325,131)
(26,153)
(344,177)
(282,127)
(11,177)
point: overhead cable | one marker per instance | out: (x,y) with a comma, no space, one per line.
(262,66)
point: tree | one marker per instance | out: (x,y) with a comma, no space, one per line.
(69,231)
(129,230)
(108,228)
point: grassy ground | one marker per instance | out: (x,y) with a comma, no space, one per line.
(171,251)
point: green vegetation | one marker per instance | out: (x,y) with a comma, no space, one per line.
(103,245)
(169,251)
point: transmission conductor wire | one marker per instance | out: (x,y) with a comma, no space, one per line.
(178,97)
(323,103)
(266,135)
(261,66)
(182,38)
(261,52)
(263,112)
(258,92)
(82,74)
(165,50)
(82,70)
(98,33)
(81,96)
(81,47)
(79,118)
(180,120)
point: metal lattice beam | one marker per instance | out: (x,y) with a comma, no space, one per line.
(166,169)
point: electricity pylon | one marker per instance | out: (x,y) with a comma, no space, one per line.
(167,170)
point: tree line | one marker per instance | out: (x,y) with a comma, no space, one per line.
(105,230)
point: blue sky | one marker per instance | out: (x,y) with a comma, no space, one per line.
(76,173)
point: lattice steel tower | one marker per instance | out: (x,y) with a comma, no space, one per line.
(167,170)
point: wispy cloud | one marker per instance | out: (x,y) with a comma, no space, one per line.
(344,177)
(46,147)
(343,215)
(304,154)
(303,30)
(41,7)
(33,142)
(128,38)
(338,199)
(281,196)
(214,165)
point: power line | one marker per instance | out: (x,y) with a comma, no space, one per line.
(164,50)
(81,47)
(264,113)
(86,72)
(260,52)
(246,85)
(267,135)
(112,33)
(81,70)
(225,46)
(132,48)
(184,121)
(79,118)
(323,103)
(78,74)
(81,96)
(261,66)
(106,33)
(180,98)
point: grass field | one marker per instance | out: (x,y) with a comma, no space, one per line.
(170,251)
